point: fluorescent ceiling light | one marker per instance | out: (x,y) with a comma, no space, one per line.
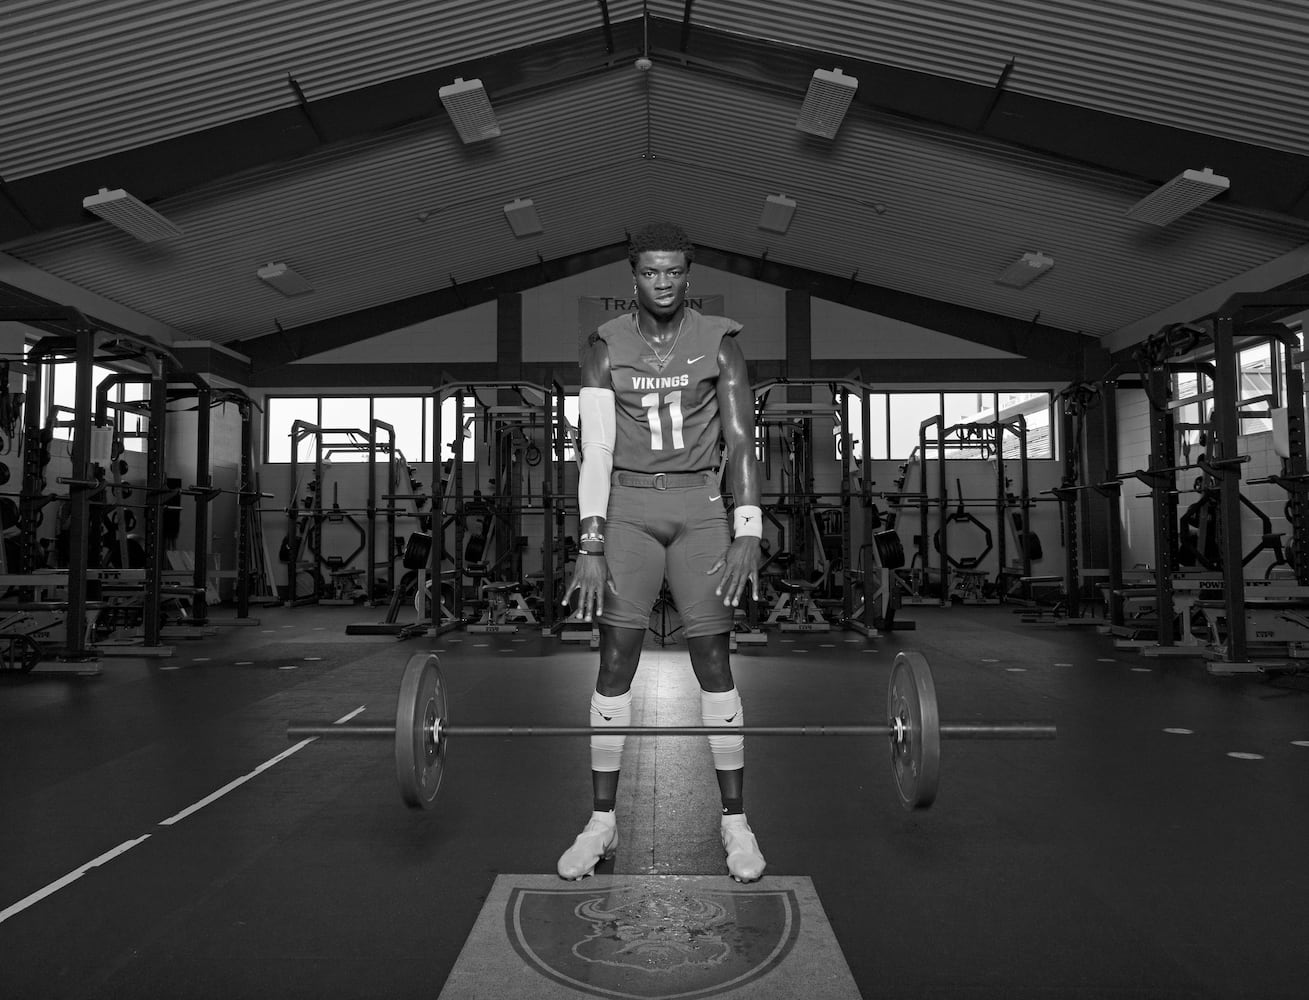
(131,216)
(521,213)
(470,110)
(826,102)
(778,209)
(1025,270)
(1188,190)
(285,280)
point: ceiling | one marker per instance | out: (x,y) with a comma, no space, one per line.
(309,132)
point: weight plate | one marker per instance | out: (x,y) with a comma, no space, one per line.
(419,758)
(916,730)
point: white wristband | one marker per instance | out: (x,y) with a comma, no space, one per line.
(747,520)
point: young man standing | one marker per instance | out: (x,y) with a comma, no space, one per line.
(663,389)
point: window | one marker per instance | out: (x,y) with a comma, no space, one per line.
(571,410)
(450,433)
(346,421)
(405,415)
(281,413)
(908,411)
(1037,411)
(877,426)
(1256,379)
(1261,385)
(962,410)
(63,399)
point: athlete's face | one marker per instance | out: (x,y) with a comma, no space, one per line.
(661,277)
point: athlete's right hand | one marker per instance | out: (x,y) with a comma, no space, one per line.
(591,578)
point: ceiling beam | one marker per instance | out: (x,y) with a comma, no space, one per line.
(1025,338)
(296,344)
(1056,350)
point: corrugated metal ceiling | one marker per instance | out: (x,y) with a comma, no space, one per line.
(1232,69)
(84,79)
(910,206)
(348,219)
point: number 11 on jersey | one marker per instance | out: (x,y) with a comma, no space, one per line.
(654,404)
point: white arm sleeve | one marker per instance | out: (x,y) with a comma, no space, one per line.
(595,410)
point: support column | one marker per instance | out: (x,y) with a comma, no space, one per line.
(799,344)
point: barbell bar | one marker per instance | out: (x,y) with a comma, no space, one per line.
(422,730)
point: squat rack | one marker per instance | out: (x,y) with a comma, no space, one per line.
(1241,317)
(532,401)
(86,345)
(853,479)
(982,436)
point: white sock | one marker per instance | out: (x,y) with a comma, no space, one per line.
(607,751)
(724,709)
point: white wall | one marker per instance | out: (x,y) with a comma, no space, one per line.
(842,332)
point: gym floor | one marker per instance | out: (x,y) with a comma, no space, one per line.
(162,838)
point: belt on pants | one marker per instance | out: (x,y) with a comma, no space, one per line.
(662,480)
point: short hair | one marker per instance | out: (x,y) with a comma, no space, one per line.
(659,236)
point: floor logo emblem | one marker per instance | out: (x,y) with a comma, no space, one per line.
(647,941)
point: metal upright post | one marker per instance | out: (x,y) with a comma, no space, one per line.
(997,430)
(1112,495)
(1163,500)
(842,394)
(941,498)
(1024,496)
(155,489)
(458,478)
(1072,416)
(247,511)
(1223,449)
(204,480)
(79,495)
(870,571)
(553,398)
(1296,466)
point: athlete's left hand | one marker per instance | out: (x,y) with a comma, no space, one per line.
(739,567)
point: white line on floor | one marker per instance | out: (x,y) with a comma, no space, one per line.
(70,878)
(238,782)
(127,845)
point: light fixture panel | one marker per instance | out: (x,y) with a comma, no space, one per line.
(130,215)
(284,279)
(1025,270)
(826,102)
(776,217)
(1187,191)
(470,110)
(523,220)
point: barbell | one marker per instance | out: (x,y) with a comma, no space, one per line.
(422,730)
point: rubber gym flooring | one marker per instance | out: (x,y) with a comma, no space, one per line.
(161,837)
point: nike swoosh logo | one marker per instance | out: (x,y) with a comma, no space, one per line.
(719,497)
(691,361)
(730,719)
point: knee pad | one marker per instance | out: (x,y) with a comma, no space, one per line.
(607,751)
(724,709)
